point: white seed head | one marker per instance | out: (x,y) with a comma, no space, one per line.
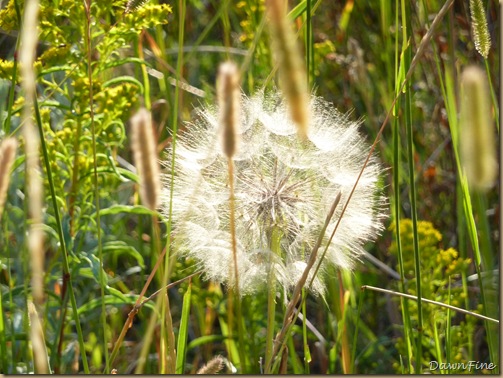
(281,183)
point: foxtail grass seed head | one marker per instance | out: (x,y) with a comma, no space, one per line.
(145,156)
(7,155)
(214,366)
(283,186)
(292,73)
(481,36)
(228,103)
(478,152)
(133,5)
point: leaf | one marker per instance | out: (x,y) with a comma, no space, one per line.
(204,340)
(111,300)
(124,79)
(118,209)
(119,247)
(181,347)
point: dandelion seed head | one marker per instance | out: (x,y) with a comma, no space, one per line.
(284,188)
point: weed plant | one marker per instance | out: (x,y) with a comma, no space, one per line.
(96,277)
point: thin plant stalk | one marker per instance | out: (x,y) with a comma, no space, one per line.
(279,345)
(472,229)
(133,312)
(167,358)
(438,348)
(450,101)
(290,314)
(67,281)
(396,213)
(138,305)
(10,106)
(309,44)
(493,96)
(4,363)
(271,298)
(146,81)
(239,313)
(436,303)
(355,336)
(75,176)
(179,69)
(142,359)
(101,277)
(32,100)
(229,116)
(181,350)
(226,25)
(406,53)
(170,336)
(345,356)
(307,353)
(448,329)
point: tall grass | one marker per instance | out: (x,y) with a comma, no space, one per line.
(116,291)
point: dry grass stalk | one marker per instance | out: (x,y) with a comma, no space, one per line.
(145,156)
(293,79)
(229,106)
(7,155)
(477,137)
(37,341)
(29,38)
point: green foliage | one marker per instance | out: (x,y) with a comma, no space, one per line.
(441,277)
(134,47)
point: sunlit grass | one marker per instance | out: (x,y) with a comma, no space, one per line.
(119,291)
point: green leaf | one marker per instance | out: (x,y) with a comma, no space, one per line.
(119,247)
(118,209)
(181,346)
(204,340)
(110,300)
(124,79)
(121,62)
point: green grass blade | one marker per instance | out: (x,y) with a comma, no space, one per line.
(181,346)
(64,252)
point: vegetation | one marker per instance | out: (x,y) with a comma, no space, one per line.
(100,270)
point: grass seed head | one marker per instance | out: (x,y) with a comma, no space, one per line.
(478,151)
(7,155)
(481,36)
(228,102)
(292,73)
(214,366)
(145,156)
